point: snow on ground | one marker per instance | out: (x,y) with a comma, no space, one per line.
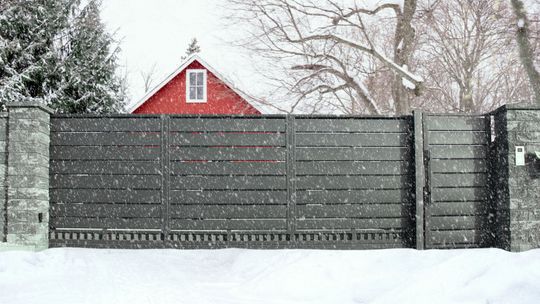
(262,276)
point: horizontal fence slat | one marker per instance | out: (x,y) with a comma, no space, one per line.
(72,181)
(232,224)
(459,194)
(105,167)
(227,197)
(353,182)
(456,222)
(105,139)
(353,211)
(353,125)
(353,197)
(228,168)
(458,152)
(353,167)
(459,180)
(458,165)
(105,196)
(222,153)
(353,140)
(227,139)
(104,124)
(457,208)
(104,153)
(455,123)
(458,138)
(452,237)
(227,211)
(325,154)
(105,210)
(105,223)
(346,223)
(227,124)
(228,182)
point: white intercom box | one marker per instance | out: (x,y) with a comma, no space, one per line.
(520,156)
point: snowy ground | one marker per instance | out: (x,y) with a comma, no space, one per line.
(282,276)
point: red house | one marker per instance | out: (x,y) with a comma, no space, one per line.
(194,88)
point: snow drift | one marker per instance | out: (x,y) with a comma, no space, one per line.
(279,276)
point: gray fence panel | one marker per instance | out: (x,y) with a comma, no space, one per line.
(457,215)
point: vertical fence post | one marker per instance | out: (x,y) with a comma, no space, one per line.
(420,178)
(291,176)
(165,177)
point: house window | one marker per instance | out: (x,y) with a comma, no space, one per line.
(196,86)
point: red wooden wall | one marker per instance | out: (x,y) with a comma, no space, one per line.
(171,99)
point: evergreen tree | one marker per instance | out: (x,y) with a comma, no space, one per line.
(89,80)
(57,54)
(193,48)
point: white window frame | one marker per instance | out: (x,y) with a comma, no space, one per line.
(205,86)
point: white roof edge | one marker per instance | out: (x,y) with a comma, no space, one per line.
(179,70)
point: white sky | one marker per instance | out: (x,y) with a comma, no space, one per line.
(159,31)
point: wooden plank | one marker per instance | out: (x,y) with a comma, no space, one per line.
(105,210)
(232,224)
(71,181)
(346,223)
(353,168)
(456,222)
(353,140)
(353,125)
(354,211)
(105,167)
(220,124)
(105,223)
(220,153)
(373,154)
(458,138)
(455,236)
(458,208)
(455,123)
(459,180)
(528,137)
(352,182)
(227,197)
(104,153)
(353,197)
(104,196)
(105,139)
(105,124)
(228,211)
(458,152)
(228,168)
(228,182)
(459,166)
(459,194)
(227,139)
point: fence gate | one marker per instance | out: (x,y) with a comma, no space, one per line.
(457,180)
(222,181)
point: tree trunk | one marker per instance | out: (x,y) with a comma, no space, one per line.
(403,49)
(525,49)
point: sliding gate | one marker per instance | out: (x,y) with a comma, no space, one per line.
(220,181)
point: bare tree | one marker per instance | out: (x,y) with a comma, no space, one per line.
(525,48)
(148,77)
(326,50)
(468,51)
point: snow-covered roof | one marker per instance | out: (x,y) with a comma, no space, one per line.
(179,70)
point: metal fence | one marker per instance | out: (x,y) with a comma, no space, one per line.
(268,181)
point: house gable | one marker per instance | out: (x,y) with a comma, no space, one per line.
(170,96)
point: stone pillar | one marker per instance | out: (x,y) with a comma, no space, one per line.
(28,175)
(517,187)
(3,173)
